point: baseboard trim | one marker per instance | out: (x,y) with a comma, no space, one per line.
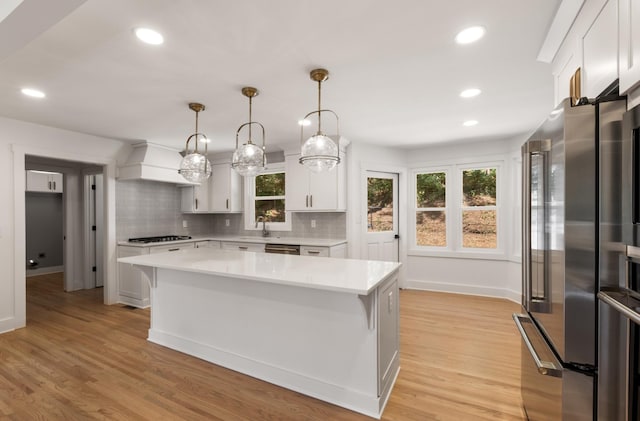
(44,271)
(350,399)
(7,325)
(482,291)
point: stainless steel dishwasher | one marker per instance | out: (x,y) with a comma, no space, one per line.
(282,249)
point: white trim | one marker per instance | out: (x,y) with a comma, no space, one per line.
(19,223)
(44,270)
(562,22)
(403,203)
(249,203)
(448,287)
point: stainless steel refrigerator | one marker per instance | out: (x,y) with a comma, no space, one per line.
(560,260)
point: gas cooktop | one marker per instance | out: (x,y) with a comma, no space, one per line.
(159,239)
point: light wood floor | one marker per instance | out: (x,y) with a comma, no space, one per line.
(78,359)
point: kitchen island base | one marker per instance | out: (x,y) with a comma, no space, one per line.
(335,346)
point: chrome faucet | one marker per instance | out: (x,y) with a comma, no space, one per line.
(265,232)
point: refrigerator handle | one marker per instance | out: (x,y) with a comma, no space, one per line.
(529,149)
(546,368)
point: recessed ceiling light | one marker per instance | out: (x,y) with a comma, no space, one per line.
(470,93)
(149,36)
(304,122)
(34,93)
(470,123)
(470,35)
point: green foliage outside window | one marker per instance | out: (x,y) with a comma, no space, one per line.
(479,187)
(430,190)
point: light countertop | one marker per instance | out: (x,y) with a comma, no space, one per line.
(340,275)
(313,242)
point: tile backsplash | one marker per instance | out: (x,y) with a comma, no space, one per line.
(147,208)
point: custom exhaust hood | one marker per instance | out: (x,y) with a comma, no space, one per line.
(149,161)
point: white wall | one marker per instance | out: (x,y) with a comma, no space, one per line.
(497,277)
(18,139)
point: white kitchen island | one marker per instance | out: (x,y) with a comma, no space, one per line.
(324,327)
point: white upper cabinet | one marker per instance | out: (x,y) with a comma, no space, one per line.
(225,189)
(43,181)
(600,52)
(195,199)
(629,58)
(314,192)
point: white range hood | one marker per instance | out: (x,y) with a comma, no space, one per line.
(149,161)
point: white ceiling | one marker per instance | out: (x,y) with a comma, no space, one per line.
(396,71)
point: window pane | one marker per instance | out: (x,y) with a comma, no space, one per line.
(431,228)
(479,229)
(380,204)
(479,187)
(270,184)
(272,210)
(430,190)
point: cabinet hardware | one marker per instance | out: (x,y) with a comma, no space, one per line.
(196,204)
(310,200)
(54,185)
(306,201)
(313,252)
(227,203)
(243,247)
(49,185)
(174,249)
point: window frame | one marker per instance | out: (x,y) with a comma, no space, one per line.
(250,199)
(453,211)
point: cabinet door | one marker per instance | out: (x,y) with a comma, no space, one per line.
(56,182)
(296,185)
(170,247)
(194,199)
(255,247)
(629,53)
(323,189)
(226,189)
(38,182)
(132,282)
(388,330)
(314,251)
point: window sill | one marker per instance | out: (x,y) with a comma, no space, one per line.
(459,254)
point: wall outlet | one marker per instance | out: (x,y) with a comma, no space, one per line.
(227,223)
(313,223)
(185,223)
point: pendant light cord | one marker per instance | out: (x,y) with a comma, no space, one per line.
(250,110)
(319,107)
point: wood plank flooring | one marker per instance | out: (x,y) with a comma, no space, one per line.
(78,359)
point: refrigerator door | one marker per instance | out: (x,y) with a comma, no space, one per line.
(541,374)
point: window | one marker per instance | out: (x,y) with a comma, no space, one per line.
(431,213)
(379,204)
(269,197)
(265,197)
(457,209)
(479,212)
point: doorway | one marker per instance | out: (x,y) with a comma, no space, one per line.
(382,227)
(81,225)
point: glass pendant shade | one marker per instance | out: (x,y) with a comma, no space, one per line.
(248,160)
(195,167)
(319,153)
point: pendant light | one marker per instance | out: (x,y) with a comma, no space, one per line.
(248,160)
(319,152)
(195,167)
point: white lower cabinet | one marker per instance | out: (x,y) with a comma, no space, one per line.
(241,246)
(133,285)
(388,332)
(339,251)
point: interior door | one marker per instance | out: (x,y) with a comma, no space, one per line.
(382,216)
